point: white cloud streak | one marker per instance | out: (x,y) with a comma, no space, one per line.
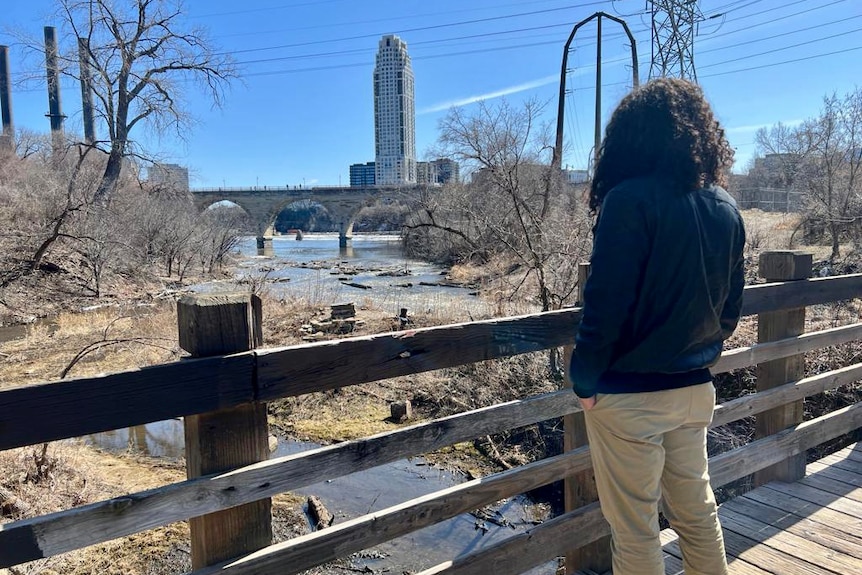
(755,127)
(491,95)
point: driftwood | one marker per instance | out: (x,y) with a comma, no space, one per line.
(320,515)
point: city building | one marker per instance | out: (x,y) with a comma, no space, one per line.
(439,171)
(362,174)
(576,176)
(394,114)
(172,175)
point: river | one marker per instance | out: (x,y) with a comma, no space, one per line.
(319,271)
(315,268)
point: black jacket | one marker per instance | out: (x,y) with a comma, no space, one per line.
(665,288)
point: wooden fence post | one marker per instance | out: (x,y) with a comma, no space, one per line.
(221,440)
(771,326)
(580,489)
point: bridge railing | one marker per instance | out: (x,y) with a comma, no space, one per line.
(216,387)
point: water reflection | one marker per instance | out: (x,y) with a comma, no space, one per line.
(159,439)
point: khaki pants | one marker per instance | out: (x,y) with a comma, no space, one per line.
(646,446)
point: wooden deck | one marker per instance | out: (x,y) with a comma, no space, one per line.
(811,527)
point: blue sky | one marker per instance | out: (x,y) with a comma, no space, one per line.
(303,109)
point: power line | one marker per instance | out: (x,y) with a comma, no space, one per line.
(379,20)
(764,38)
(417,29)
(747,69)
(784,62)
(746,57)
(498,33)
(536,28)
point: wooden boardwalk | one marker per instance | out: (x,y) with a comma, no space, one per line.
(811,527)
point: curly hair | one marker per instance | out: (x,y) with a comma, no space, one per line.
(666,129)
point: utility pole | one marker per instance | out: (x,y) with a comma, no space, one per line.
(557,159)
(7,138)
(55,113)
(673,26)
(86,91)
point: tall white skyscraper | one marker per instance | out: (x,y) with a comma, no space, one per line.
(394,114)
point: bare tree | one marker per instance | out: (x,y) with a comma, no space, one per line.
(832,170)
(139,56)
(822,159)
(517,206)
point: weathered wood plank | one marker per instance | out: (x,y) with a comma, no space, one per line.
(836,473)
(851,454)
(768,558)
(326,365)
(523,551)
(832,535)
(319,547)
(829,500)
(736,566)
(746,356)
(828,485)
(788,543)
(761,453)
(803,508)
(56,533)
(788,295)
(90,405)
(762,400)
(843,463)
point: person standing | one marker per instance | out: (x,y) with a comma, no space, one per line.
(664,292)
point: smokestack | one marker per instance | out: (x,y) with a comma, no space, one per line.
(53,69)
(7,138)
(86,91)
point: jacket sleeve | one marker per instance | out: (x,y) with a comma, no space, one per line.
(620,250)
(733,306)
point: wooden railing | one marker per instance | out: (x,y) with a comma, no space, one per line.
(228,391)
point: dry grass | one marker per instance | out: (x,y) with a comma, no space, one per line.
(112,339)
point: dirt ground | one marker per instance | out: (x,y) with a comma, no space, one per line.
(123,335)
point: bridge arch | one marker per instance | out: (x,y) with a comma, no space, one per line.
(263,204)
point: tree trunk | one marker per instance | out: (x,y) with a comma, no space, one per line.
(836,247)
(111,176)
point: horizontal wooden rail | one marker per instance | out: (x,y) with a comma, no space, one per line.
(761,298)
(302,369)
(752,355)
(50,411)
(319,547)
(761,401)
(78,527)
(521,552)
(63,531)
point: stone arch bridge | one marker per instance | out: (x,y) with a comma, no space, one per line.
(263,204)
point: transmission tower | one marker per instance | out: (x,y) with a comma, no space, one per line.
(673,27)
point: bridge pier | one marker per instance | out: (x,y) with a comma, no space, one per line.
(264,246)
(345,233)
